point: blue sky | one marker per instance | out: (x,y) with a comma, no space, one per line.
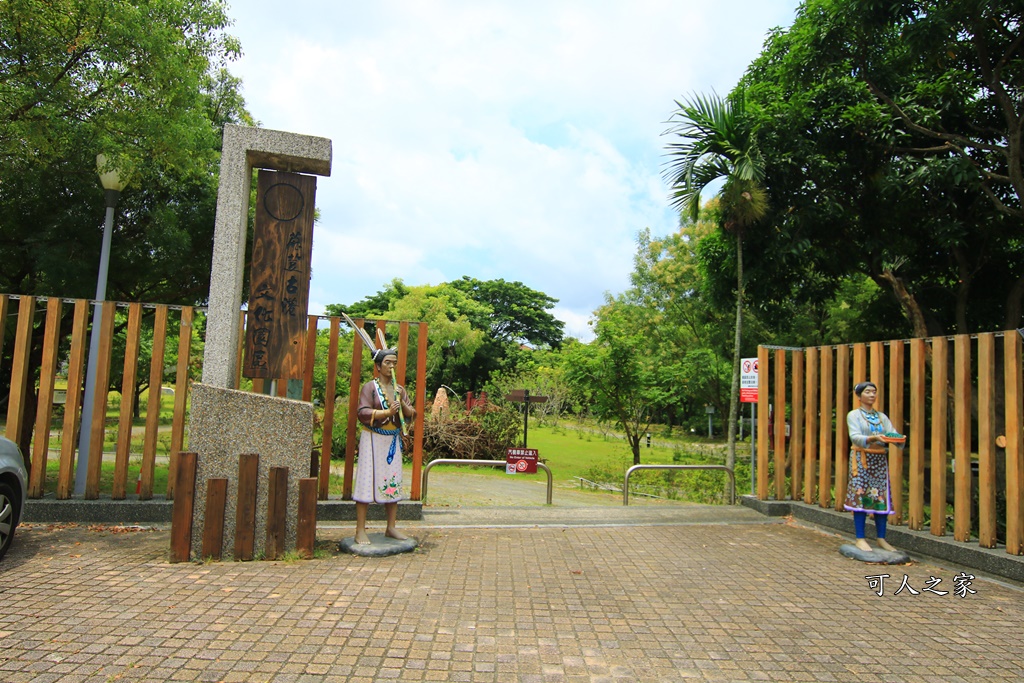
(519,140)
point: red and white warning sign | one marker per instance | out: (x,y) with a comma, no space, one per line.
(521,460)
(748,380)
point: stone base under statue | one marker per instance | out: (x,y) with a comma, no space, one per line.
(379,546)
(875,555)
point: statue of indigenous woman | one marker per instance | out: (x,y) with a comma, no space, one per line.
(383,405)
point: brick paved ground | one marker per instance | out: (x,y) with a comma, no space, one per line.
(622,603)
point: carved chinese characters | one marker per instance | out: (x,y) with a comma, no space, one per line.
(279,274)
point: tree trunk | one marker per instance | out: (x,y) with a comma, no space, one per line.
(734,391)
(907,302)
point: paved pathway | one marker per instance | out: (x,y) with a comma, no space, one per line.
(637,595)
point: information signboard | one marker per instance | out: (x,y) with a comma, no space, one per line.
(521,461)
(748,380)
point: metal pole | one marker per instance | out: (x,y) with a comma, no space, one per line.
(526,414)
(753,437)
(84,435)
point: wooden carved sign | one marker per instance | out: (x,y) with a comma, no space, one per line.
(279,274)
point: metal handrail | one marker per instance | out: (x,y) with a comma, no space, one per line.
(634,468)
(485,463)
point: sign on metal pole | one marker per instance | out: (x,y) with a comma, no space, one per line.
(748,380)
(521,461)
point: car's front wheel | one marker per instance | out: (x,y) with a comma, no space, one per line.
(8,506)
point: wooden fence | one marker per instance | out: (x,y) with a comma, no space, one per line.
(49,347)
(959,399)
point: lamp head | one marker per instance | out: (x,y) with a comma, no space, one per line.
(109,176)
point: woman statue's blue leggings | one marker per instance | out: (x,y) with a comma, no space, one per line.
(860,517)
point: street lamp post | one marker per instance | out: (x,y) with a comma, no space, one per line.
(112,186)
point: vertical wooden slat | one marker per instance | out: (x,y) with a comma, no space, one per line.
(124,436)
(825,430)
(354,384)
(843,392)
(986,441)
(940,380)
(213,518)
(309,357)
(811,427)
(1012,370)
(895,413)
(962,438)
(241,353)
(421,402)
(180,392)
(763,443)
(403,352)
(877,375)
(153,402)
(245,508)
(44,406)
(305,528)
(796,435)
(97,430)
(282,387)
(76,367)
(917,437)
(4,303)
(860,368)
(324,475)
(181,513)
(277,512)
(780,424)
(20,373)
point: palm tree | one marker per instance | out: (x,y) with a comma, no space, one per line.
(717,141)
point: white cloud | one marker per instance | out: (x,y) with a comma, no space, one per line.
(492,139)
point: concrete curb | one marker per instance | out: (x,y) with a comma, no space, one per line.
(993,561)
(132,511)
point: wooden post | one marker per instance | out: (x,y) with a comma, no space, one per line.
(97,430)
(245,508)
(796,437)
(811,427)
(124,432)
(877,375)
(181,514)
(180,392)
(154,402)
(780,424)
(895,414)
(843,393)
(1014,443)
(762,423)
(940,380)
(305,530)
(354,385)
(44,406)
(421,402)
(213,518)
(917,426)
(986,441)
(825,430)
(20,371)
(76,371)
(277,513)
(962,438)
(327,437)
(309,357)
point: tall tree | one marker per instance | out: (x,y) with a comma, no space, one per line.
(618,373)
(716,141)
(891,138)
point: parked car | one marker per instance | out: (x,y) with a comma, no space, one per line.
(13,483)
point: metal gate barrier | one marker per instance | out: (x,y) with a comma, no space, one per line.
(484,463)
(634,468)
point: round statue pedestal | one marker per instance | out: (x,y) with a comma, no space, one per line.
(379,546)
(875,555)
